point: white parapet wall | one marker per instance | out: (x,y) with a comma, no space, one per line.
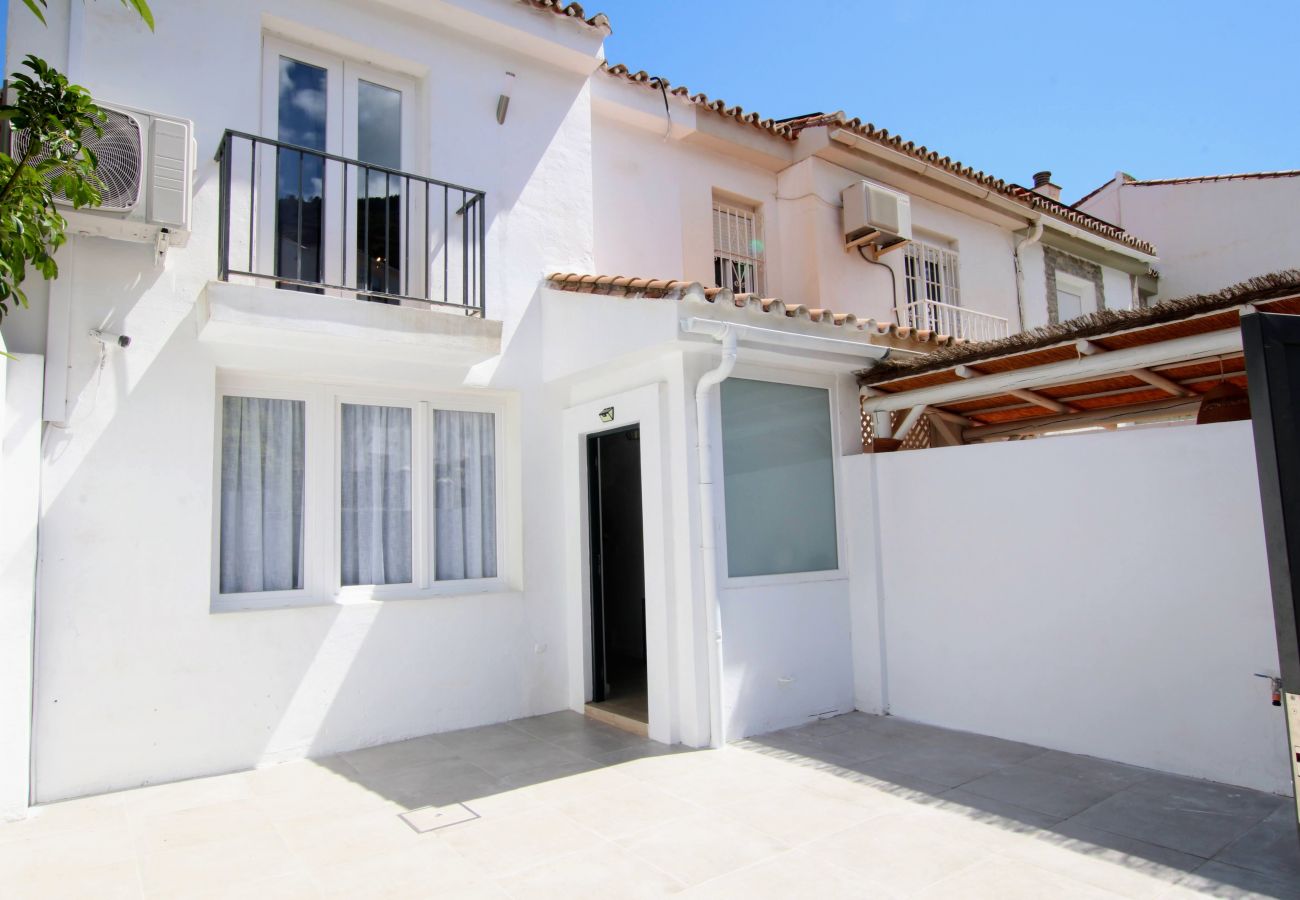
(20,464)
(1104,594)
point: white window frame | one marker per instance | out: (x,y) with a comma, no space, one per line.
(833,388)
(342,76)
(1086,290)
(947,261)
(322,493)
(752,214)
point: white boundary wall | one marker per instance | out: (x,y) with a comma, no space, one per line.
(20,464)
(1103,594)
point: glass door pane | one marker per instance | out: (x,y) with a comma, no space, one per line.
(300,175)
(380,193)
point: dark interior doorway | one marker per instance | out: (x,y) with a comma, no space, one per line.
(618,659)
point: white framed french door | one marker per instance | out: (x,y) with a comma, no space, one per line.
(322,221)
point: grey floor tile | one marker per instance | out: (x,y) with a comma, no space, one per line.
(1218,879)
(951,766)
(1098,772)
(488,736)
(990,809)
(1197,817)
(403,754)
(898,782)
(1040,791)
(1123,850)
(643,751)
(596,739)
(438,784)
(1272,847)
(510,759)
(554,771)
(552,725)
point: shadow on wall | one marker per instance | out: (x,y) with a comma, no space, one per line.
(1212,837)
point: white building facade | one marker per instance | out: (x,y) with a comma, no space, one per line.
(287,520)
(1212,231)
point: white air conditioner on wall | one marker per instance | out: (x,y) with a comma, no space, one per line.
(146,164)
(876,215)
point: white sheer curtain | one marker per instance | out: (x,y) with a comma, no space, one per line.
(465,495)
(261,494)
(376,494)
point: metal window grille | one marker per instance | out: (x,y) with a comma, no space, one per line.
(738,249)
(930,273)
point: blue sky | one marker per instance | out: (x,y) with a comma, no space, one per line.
(1157,89)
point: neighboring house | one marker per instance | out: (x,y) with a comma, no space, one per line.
(385,456)
(1213,231)
(978,265)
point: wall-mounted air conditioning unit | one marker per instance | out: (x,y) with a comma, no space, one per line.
(875,215)
(146,164)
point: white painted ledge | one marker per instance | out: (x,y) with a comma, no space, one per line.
(253,315)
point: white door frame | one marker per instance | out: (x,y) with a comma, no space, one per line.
(644,407)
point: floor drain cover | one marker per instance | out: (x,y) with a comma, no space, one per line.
(431,818)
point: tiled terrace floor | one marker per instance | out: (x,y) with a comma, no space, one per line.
(558,806)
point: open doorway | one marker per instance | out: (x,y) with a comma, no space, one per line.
(618,623)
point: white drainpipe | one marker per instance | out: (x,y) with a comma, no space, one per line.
(704,394)
(729,334)
(1032,238)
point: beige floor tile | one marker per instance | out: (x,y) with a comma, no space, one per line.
(199,824)
(702,847)
(601,873)
(327,838)
(232,863)
(92,813)
(798,815)
(80,848)
(115,881)
(1003,879)
(425,869)
(898,851)
(794,874)
(165,798)
(299,789)
(626,810)
(716,785)
(506,844)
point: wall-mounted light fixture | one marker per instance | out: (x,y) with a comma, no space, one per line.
(503,101)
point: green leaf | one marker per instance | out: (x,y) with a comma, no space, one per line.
(141,8)
(36,9)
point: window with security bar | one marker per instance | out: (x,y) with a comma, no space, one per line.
(930,273)
(737,248)
(932,287)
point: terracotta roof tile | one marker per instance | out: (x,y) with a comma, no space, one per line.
(656,288)
(572,11)
(1241,176)
(789,129)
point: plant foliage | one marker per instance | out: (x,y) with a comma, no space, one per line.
(55,115)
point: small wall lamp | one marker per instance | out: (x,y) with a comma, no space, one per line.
(503,101)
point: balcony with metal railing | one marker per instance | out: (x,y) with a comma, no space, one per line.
(305,220)
(321,252)
(957,321)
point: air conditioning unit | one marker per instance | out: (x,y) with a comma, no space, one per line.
(876,215)
(146,164)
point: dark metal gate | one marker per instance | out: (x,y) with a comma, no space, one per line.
(1272,345)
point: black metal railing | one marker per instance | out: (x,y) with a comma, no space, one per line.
(307,220)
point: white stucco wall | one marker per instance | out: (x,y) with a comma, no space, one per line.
(1210,234)
(20,459)
(1121,613)
(137,680)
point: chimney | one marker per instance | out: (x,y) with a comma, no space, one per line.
(1043,185)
